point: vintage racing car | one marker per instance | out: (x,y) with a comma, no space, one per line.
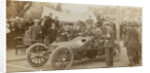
(63,54)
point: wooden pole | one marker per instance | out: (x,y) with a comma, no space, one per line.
(118,24)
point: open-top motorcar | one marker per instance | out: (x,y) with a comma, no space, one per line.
(63,54)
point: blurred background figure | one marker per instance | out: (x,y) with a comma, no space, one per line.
(89,22)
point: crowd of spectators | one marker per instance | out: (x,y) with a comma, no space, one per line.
(55,30)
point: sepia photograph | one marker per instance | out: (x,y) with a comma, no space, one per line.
(46,36)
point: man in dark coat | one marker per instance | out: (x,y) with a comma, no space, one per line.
(56,27)
(29,23)
(47,24)
(56,22)
(100,21)
(109,43)
(20,27)
(133,46)
(53,30)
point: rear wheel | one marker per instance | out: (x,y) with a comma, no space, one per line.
(61,58)
(37,55)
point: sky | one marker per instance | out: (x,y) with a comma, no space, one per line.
(78,8)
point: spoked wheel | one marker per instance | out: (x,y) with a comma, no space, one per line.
(116,53)
(61,58)
(37,55)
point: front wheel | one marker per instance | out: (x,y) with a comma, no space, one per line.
(61,58)
(37,55)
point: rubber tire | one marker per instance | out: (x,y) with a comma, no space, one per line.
(28,56)
(54,54)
